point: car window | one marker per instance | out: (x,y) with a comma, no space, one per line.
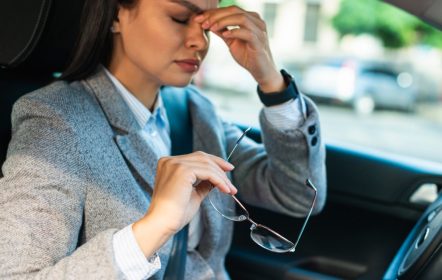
(374,75)
(381,71)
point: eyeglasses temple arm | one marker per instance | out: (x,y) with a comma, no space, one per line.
(310,184)
(238,141)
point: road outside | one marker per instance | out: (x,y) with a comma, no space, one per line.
(417,135)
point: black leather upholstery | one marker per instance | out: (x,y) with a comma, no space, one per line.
(37,35)
(36,39)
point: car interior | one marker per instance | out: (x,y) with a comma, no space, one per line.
(372,227)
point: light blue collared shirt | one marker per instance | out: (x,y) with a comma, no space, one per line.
(155,124)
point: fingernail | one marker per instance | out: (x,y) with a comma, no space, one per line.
(231,165)
(199,18)
(234,190)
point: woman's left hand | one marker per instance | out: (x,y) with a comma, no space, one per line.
(245,34)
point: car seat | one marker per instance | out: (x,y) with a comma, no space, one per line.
(36,39)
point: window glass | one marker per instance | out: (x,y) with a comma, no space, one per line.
(269,16)
(311,21)
(374,71)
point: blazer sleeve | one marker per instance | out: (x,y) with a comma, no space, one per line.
(41,202)
(272,175)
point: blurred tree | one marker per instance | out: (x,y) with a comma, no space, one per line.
(394,27)
(225,3)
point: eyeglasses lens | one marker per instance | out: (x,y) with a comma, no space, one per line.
(226,205)
(270,240)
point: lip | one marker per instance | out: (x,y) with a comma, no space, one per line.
(188,65)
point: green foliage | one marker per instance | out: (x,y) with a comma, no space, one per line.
(429,35)
(226,3)
(394,27)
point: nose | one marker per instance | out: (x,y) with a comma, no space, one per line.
(196,37)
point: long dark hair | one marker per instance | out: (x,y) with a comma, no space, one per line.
(95,40)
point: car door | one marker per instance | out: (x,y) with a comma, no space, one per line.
(368,215)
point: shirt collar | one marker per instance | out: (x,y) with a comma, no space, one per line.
(142,114)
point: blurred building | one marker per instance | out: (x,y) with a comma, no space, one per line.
(298,29)
(301,34)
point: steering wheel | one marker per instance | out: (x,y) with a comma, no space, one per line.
(420,256)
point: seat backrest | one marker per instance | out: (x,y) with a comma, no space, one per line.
(36,39)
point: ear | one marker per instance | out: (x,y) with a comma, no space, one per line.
(115,28)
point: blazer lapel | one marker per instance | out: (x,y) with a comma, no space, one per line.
(139,154)
(128,135)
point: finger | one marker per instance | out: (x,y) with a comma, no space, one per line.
(208,158)
(217,165)
(214,14)
(217,181)
(200,157)
(241,20)
(210,168)
(241,34)
(234,21)
(210,162)
(199,171)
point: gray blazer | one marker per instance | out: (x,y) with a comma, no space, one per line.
(78,170)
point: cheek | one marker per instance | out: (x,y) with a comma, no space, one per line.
(164,39)
(151,41)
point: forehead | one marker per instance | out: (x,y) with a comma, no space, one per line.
(197,6)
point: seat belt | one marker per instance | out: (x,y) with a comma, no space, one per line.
(177,109)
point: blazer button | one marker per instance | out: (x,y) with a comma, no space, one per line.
(314,141)
(312,129)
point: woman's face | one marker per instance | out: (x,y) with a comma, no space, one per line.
(159,41)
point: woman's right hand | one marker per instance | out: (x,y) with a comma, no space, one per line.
(181,184)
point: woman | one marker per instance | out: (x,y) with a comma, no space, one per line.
(90,189)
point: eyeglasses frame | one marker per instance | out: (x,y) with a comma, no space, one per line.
(256,225)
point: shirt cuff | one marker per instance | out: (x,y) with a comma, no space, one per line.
(129,257)
(288,115)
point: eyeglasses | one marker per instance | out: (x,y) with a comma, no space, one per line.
(231,208)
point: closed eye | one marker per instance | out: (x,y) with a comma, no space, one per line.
(180,21)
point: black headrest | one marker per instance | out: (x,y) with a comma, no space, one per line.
(37,36)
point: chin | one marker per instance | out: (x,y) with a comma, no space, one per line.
(178,82)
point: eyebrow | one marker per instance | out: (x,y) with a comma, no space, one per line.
(192,7)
